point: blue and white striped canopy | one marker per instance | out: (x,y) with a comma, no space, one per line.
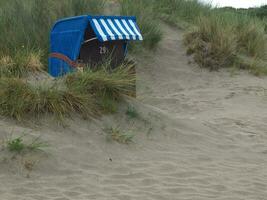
(109,28)
(67,37)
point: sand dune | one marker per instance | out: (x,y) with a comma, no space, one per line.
(201,135)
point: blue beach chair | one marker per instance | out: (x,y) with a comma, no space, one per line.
(88,40)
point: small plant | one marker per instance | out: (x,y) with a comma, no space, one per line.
(132,112)
(107,105)
(115,134)
(37,145)
(18,145)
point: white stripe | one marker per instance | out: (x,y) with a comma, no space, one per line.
(107,29)
(100,31)
(135,29)
(129,29)
(115,29)
(122,29)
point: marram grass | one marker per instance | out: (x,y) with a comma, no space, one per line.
(104,82)
(19,100)
(27,23)
(21,63)
(85,93)
(227,40)
(106,86)
(148,23)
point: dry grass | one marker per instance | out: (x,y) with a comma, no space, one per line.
(85,93)
(180,12)
(106,86)
(28,23)
(227,40)
(21,63)
(19,100)
(103,82)
(212,46)
(148,23)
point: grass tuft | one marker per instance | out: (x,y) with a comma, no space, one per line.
(19,100)
(132,112)
(18,145)
(85,93)
(212,46)
(106,86)
(227,40)
(21,63)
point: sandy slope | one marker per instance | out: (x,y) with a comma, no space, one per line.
(201,135)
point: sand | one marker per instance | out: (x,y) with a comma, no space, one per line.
(200,135)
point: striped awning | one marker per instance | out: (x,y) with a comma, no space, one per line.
(109,28)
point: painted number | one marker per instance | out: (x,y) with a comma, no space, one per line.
(103,50)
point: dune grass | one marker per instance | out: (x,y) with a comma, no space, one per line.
(216,37)
(84,93)
(103,82)
(27,24)
(105,85)
(228,39)
(18,145)
(20,100)
(149,25)
(180,12)
(21,63)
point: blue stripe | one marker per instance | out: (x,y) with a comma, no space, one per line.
(131,37)
(111,29)
(115,24)
(113,18)
(95,31)
(103,28)
(130,26)
(138,29)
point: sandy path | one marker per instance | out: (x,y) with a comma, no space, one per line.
(204,137)
(233,106)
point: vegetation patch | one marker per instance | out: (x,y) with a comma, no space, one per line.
(227,40)
(18,145)
(19,100)
(27,24)
(106,86)
(114,133)
(85,93)
(148,23)
(21,63)
(180,12)
(132,112)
